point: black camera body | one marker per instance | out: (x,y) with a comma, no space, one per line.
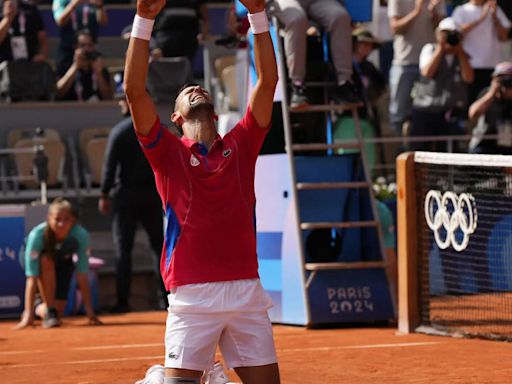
(453,38)
(505,82)
(91,55)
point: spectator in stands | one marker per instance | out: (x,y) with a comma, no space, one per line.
(413,23)
(332,16)
(72,16)
(49,266)
(493,113)
(366,76)
(87,79)
(440,96)
(484,26)
(128,191)
(22,32)
(179,28)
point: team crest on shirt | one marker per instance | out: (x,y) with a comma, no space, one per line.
(194,161)
(34,255)
(227,152)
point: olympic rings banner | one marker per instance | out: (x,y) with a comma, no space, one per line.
(452,218)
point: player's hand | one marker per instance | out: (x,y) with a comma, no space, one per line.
(149,9)
(254,6)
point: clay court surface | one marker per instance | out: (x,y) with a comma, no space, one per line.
(122,350)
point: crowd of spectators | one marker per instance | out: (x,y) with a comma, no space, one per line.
(433,69)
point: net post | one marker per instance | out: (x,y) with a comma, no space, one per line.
(408,294)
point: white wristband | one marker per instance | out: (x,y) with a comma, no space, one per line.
(258,22)
(142,28)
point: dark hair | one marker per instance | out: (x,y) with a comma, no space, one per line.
(49,238)
(84,32)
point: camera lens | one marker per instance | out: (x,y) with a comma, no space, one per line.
(453,38)
(506,82)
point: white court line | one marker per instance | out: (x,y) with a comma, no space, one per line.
(87,361)
(284,350)
(369,346)
(21,352)
(121,346)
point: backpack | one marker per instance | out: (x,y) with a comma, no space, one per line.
(26,81)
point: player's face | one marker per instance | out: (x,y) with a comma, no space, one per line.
(192,98)
(60,222)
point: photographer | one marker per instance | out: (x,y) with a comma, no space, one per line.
(87,79)
(493,113)
(440,96)
(72,16)
(22,33)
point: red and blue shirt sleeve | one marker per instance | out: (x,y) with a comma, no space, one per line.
(161,147)
(249,133)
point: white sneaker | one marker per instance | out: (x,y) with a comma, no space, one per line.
(216,375)
(154,375)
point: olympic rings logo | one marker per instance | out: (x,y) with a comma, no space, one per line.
(462,217)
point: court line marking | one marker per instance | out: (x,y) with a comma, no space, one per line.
(368,346)
(283,350)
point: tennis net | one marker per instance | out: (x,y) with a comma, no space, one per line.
(462,229)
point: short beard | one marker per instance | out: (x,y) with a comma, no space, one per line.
(200,108)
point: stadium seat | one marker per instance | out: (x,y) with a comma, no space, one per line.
(17,134)
(95,153)
(89,134)
(53,149)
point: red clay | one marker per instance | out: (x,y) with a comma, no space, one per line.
(122,350)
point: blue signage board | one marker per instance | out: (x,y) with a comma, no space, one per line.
(346,296)
(12,277)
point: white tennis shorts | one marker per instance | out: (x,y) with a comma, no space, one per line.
(232,315)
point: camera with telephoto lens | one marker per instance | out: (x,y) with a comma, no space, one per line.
(505,82)
(91,55)
(453,38)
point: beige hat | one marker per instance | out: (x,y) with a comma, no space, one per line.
(364,35)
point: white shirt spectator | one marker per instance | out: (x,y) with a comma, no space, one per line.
(427,53)
(481,43)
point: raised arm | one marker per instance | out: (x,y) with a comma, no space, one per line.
(399,24)
(10,10)
(262,97)
(61,14)
(141,105)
